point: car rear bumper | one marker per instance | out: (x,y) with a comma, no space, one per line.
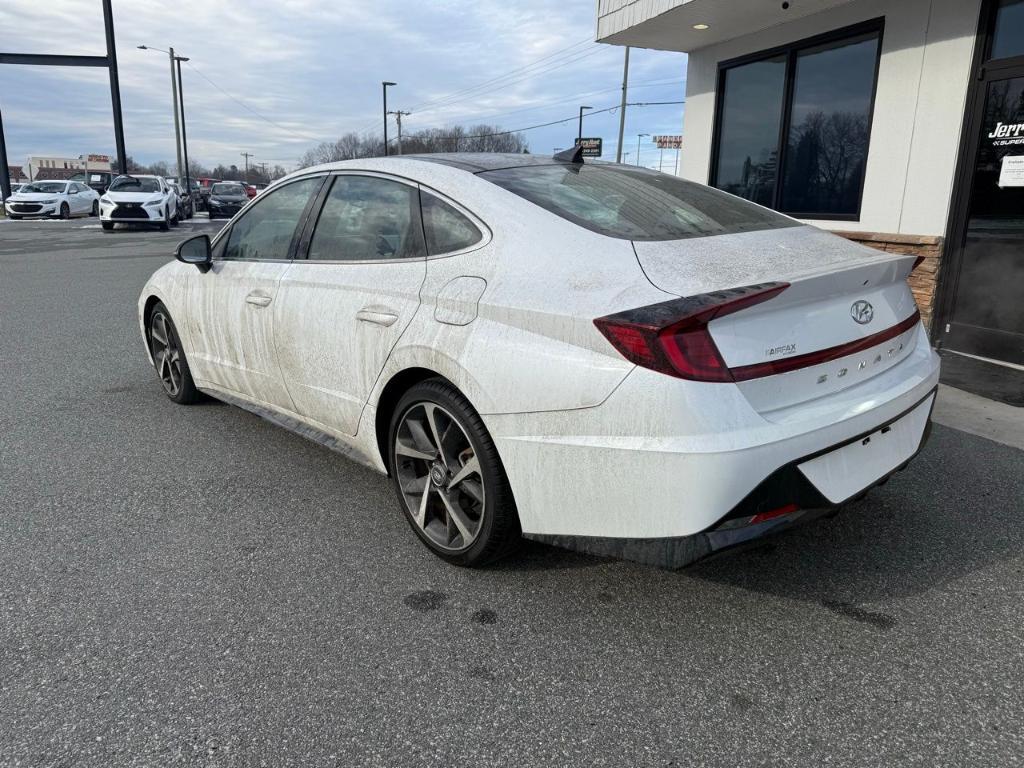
(662,459)
(785,498)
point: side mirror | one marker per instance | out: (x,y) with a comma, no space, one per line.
(196,251)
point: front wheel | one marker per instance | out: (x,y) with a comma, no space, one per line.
(449,478)
(95,208)
(65,211)
(107,225)
(164,226)
(169,357)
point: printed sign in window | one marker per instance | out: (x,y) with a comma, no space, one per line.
(1012,172)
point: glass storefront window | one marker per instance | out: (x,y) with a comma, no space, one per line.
(827,114)
(748,142)
(1008,36)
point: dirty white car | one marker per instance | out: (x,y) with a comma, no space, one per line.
(592,355)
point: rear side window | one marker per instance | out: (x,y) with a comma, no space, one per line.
(367,218)
(634,203)
(447,230)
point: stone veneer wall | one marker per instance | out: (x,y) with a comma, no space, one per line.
(922,280)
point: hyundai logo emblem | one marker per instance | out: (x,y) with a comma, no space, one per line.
(862,312)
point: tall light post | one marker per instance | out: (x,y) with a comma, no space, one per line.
(638,146)
(579,133)
(174,99)
(184,139)
(384,86)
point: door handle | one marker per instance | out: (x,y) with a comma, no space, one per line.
(258,299)
(377,318)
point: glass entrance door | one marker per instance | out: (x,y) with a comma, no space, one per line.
(987,316)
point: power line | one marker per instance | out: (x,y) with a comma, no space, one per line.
(481,90)
(510,73)
(305,137)
(572,119)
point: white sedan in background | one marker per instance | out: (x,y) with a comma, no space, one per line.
(62,199)
(139,200)
(593,355)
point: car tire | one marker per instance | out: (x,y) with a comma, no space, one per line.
(469,522)
(65,211)
(14,217)
(164,226)
(169,357)
(95,208)
(107,225)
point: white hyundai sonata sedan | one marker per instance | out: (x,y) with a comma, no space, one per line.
(592,355)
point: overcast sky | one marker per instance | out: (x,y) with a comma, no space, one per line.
(301,72)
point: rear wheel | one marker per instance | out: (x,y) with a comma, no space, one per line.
(169,357)
(448,476)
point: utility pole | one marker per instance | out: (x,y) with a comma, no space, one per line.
(661,158)
(384,85)
(398,119)
(184,140)
(247,155)
(176,102)
(622,108)
(638,146)
(579,133)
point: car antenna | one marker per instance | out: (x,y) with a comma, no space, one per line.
(572,155)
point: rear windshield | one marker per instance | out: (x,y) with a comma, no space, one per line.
(635,203)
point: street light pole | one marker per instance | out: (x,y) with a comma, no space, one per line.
(184,140)
(384,86)
(174,99)
(638,146)
(579,133)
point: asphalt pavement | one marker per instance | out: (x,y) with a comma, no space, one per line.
(192,586)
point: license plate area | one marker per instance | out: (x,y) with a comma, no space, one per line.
(846,471)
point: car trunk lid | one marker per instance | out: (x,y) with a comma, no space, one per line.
(846,316)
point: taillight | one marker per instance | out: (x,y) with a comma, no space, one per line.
(673,337)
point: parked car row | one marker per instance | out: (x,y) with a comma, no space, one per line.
(134,198)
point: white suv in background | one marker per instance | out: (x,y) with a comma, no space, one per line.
(139,200)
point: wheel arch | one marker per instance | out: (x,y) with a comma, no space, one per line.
(400,383)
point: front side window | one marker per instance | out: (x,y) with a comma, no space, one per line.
(802,151)
(634,203)
(266,229)
(367,218)
(446,229)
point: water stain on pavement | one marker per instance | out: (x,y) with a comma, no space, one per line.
(427,600)
(851,611)
(484,616)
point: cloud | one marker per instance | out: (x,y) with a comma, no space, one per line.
(305,71)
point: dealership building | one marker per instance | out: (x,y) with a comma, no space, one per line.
(896,123)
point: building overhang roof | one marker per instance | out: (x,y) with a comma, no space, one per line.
(669,25)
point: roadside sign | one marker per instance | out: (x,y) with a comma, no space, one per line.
(98,158)
(668,142)
(591,146)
